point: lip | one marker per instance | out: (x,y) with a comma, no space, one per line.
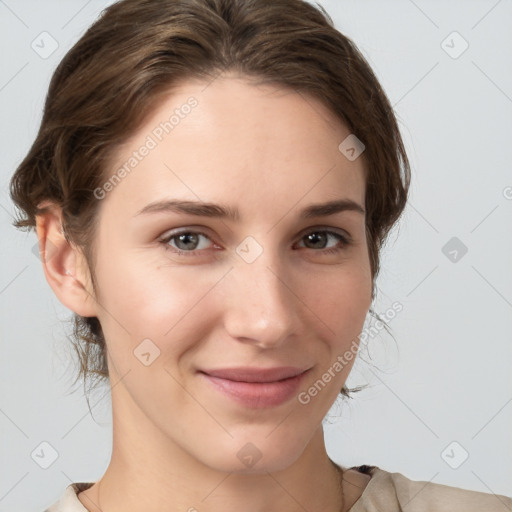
(256,387)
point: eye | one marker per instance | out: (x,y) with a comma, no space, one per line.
(188,242)
(321,236)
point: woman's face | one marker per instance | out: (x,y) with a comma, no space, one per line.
(267,288)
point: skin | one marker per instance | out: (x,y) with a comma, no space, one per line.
(270,152)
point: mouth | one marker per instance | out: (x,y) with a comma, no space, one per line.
(256,387)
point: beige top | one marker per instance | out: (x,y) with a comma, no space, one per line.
(385,492)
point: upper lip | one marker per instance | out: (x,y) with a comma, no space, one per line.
(252,374)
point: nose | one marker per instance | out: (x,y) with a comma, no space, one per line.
(261,307)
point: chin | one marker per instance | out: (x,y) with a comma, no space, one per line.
(254,454)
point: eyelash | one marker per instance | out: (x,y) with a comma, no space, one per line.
(345,241)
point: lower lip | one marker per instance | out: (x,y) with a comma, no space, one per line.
(258,395)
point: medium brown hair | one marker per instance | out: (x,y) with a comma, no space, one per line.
(137,51)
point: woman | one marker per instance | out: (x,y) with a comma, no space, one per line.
(211,185)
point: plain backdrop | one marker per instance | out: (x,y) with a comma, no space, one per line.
(438,406)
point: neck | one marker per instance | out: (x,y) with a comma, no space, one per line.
(150,472)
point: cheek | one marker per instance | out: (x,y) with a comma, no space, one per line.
(341,303)
(341,300)
(142,299)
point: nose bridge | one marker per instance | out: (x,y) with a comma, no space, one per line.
(262,307)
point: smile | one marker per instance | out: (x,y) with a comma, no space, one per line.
(256,388)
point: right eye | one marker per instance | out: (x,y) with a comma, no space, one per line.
(189,241)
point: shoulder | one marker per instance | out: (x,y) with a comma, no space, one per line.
(69,501)
(391,492)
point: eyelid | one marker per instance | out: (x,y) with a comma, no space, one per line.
(168,235)
(330,229)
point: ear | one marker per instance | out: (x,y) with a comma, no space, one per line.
(64,265)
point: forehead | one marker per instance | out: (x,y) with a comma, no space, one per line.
(230,136)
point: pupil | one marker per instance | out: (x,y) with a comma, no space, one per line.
(186,236)
(315,237)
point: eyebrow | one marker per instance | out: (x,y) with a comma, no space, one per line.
(202,209)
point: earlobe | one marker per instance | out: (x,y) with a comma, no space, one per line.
(64,265)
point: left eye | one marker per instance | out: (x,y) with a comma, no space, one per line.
(187,242)
(313,237)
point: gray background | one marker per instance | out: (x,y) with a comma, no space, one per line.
(447,376)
